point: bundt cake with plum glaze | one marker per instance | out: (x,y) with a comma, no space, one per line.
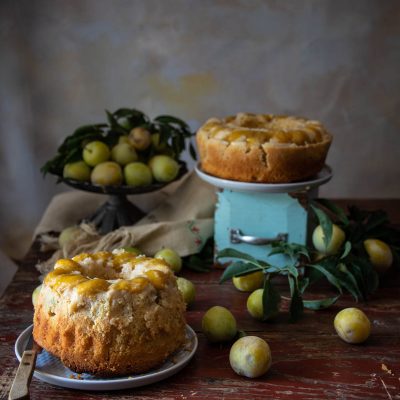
(110,314)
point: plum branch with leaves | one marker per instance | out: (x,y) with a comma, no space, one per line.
(349,270)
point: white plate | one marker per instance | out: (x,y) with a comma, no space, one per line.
(324,176)
(50,369)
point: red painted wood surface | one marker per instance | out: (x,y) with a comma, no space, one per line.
(309,360)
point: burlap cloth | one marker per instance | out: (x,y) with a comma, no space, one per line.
(180,216)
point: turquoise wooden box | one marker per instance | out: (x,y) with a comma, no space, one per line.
(251,216)
(248,221)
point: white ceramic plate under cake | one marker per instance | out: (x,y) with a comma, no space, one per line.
(324,176)
(51,370)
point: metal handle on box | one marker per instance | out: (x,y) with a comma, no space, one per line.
(238,237)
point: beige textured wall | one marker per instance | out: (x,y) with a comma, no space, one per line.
(64,62)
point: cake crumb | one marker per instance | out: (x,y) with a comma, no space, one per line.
(77,376)
(386,369)
(119,251)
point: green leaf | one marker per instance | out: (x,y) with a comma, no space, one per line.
(202,261)
(73,155)
(326,224)
(177,145)
(232,253)
(120,121)
(80,136)
(85,129)
(291,270)
(111,119)
(196,263)
(238,268)
(303,284)
(134,117)
(168,119)
(296,304)
(338,211)
(376,219)
(396,257)
(273,269)
(373,281)
(330,277)
(320,304)
(198,268)
(173,132)
(349,282)
(357,215)
(291,284)
(369,277)
(358,275)
(71,148)
(314,275)
(240,334)
(271,300)
(163,131)
(192,151)
(276,250)
(347,249)
(293,250)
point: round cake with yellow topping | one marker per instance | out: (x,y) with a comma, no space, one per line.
(263,148)
(110,314)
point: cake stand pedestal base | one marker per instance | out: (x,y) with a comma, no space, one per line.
(118,210)
(115,212)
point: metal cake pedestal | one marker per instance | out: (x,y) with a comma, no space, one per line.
(117,211)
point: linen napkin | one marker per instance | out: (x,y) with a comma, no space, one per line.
(180,216)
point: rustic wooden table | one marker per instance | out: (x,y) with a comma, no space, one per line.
(309,360)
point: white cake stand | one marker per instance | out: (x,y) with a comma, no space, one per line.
(324,176)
